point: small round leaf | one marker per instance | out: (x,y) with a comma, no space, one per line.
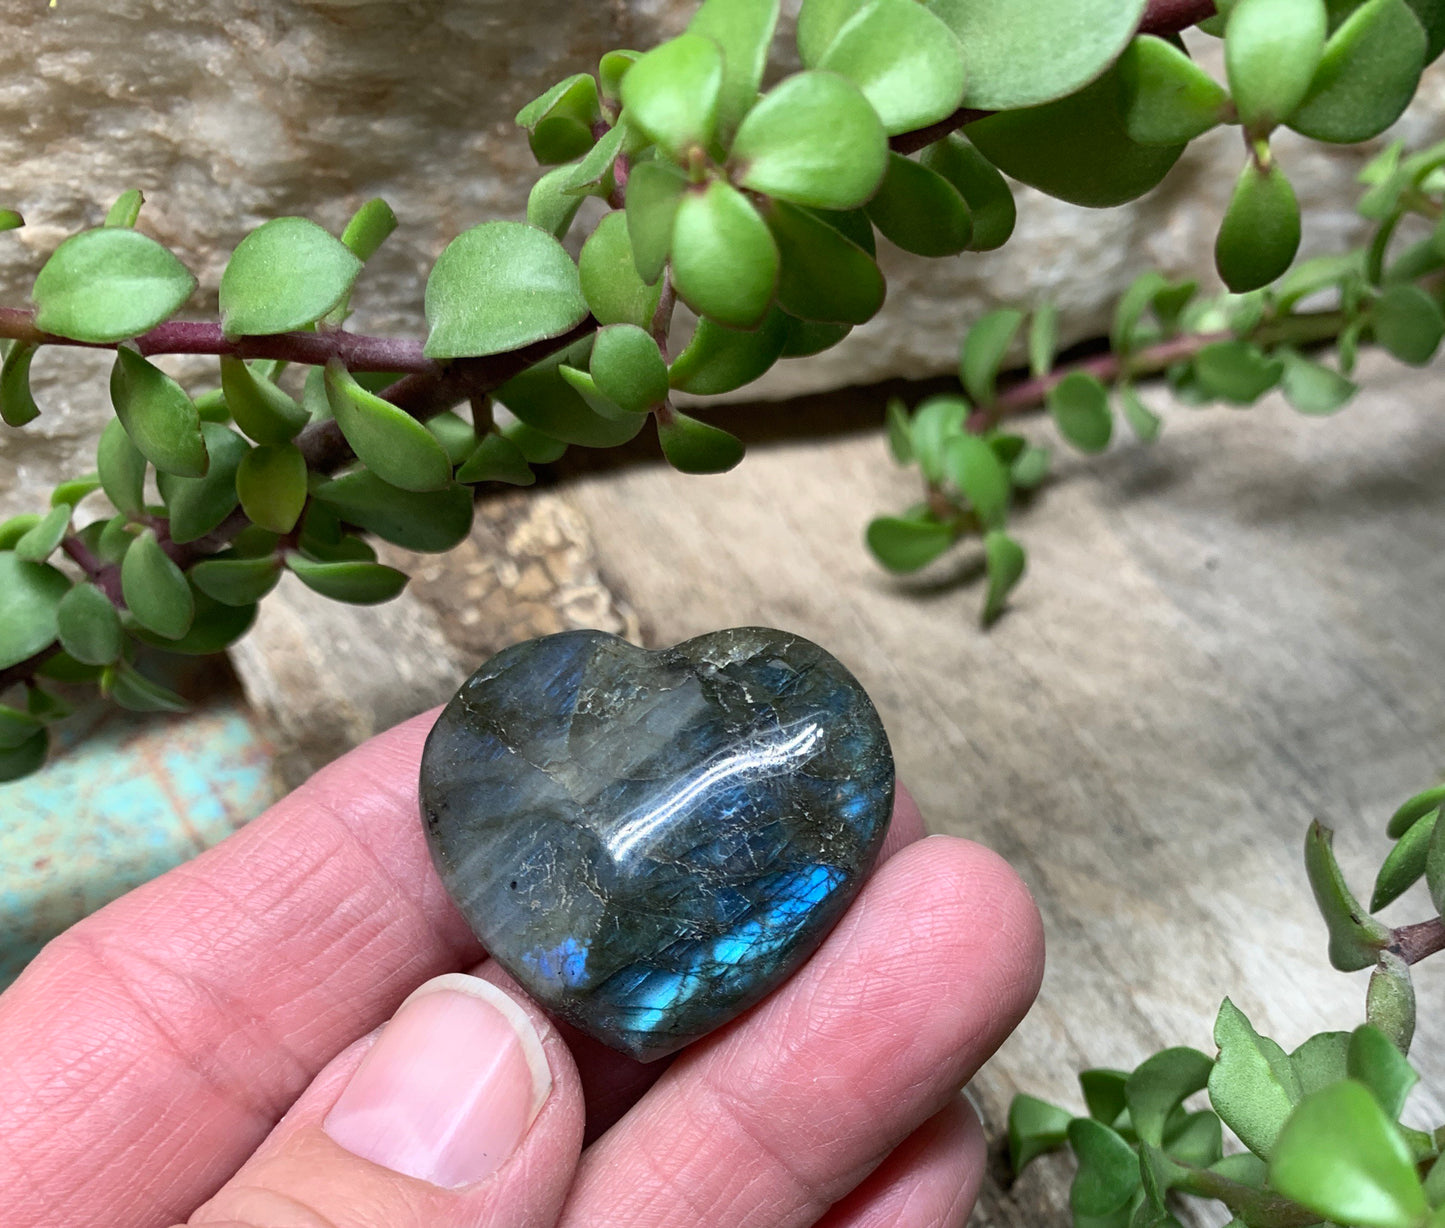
(1367,76)
(1260,232)
(629,368)
(607,268)
(905,544)
(159,417)
(1408,323)
(355,583)
(155,590)
(17,405)
(259,408)
(1079,404)
(654,192)
(724,260)
(986,192)
(500,286)
(284,275)
(718,359)
(1271,51)
(695,447)
(271,484)
(432,521)
(672,94)
(825,276)
(89,626)
(30,594)
(387,439)
(920,211)
(497,459)
(107,285)
(743,29)
(236,581)
(1167,98)
(198,505)
(40,542)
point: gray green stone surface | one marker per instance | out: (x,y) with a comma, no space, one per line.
(650,842)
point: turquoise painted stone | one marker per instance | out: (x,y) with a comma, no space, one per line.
(651,842)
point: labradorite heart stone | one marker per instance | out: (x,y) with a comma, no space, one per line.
(650,842)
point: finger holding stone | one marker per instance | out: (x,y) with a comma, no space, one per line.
(771,1121)
(463,1111)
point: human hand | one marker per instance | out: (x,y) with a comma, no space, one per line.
(204,1050)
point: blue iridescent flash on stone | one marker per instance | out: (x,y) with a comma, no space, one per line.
(651,842)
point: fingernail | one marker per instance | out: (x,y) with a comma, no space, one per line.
(449,1088)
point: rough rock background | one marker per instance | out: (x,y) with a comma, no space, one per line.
(229,113)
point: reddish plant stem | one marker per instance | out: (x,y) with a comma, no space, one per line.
(1412,943)
(104,576)
(357,352)
(24,671)
(1161,17)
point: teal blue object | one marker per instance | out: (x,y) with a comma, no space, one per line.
(123,798)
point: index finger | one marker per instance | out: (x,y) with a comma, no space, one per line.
(150,1048)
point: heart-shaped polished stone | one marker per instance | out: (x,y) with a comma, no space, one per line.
(650,842)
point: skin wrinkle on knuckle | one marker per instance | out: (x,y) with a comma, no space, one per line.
(256,1207)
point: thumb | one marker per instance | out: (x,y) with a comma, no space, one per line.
(465,1111)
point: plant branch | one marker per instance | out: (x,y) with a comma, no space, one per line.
(1412,943)
(355,351)
(1160,17)
(104,576)
(24,671)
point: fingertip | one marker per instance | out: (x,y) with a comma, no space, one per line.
(906,825)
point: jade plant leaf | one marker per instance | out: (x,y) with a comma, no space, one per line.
(673,93)
(815,140)
(1260,232)
(30,595)
(284,275)
(271,484)
(906,61)
(610,282)
(1271,51)
(198,505)
(41,541)
(89,626)
(1076,148)
(986,192)
(718,359)
(500,286)
(1034,1127)
(629,368)
(1167,98)
(266,413)
(654,192)
(697,447)
(431,521)
(121,468)
(1079,404)
(1021,55)
(159,417)
(724,260)
(543,399)
(907,543)
(109,284)
(17,404)
(497,459)
(387,439)
(825,276)
(155,590)
(358,583)
(744,31)
(236,581)
(920,210)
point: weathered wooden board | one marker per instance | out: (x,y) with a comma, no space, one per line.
(1220,638)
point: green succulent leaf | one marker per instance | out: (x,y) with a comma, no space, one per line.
(457,437)
(1320,1060)
(1034,1127)
(126,209)
(121,467)
(718,359)
(1415,809)
(543,399)
(12,530)
(89,626)
(132,690)
(629,368)
(586,387)
(1005,561)
(1368,74)
(654,192)
(1408,323)
(593,174)
(673,93)
(40,542)
(1108,1172)
(356,583)
(1076,149)
(1167,98)
(155,589)
(612,67)
(236,581)
(818,24)
(815,140)
(10,220)
(982,351)
(1023,55)
(724,260)
(17,405)
(1260,232)
(1079,404)
(825,276)
(215,627)
(284,275)
(1390,1000)
(369,227)
(1271,51)
(1405,864)
(1142,420)
(271,484)
(432,521)
(17,727)
(259,408)
(497,459)
(936,421)
(1356,939)
(744,31)
(1435,868)
(906,543)
(1238,371)
(1253,1086)
(76,489)
(1031,467)
(159,417)
(550,205)
(30,595)
(696,447)
(1341,1157)
(974,468)
(198,505)
(614,290)
(1103,1093)
(500,286)
(1043,339)
(388,440)
(1160,1085)
(808,337)
(109,284)
(907,62)
(559,123)
(1374,1061)
(29,756)
(920,210)
(900,441)
(1311,387)
(987,194)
